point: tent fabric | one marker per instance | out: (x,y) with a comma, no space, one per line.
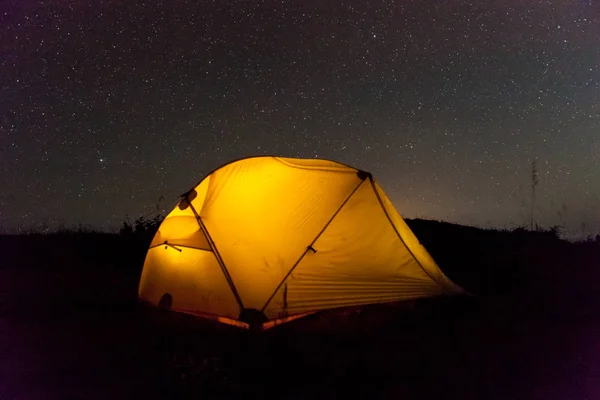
(286,237)
(191,277)
(371,266)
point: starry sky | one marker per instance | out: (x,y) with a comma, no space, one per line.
(111,109)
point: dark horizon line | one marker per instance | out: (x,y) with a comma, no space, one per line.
(115,229)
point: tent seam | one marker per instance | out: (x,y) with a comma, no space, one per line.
(400,236)
(325,169)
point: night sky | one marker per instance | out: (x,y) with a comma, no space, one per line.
(107,109)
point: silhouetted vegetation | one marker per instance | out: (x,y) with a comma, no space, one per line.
(142,227)
(535,269)
(82,247)
(70,299)
(487,262)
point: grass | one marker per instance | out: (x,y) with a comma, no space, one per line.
(71,327)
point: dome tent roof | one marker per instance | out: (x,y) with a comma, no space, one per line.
(268,238)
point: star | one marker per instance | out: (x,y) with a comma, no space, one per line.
(446,106)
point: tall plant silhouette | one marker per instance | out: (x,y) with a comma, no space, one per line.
(534,183)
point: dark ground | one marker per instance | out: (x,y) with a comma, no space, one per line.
(71,328)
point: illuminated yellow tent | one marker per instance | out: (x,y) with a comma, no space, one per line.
(268,239)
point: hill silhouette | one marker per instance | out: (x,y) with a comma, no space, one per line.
(72,326)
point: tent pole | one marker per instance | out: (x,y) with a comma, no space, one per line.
(177,246)
(310,246)
(218,257)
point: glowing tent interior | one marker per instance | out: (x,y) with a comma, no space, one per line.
(264,240)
